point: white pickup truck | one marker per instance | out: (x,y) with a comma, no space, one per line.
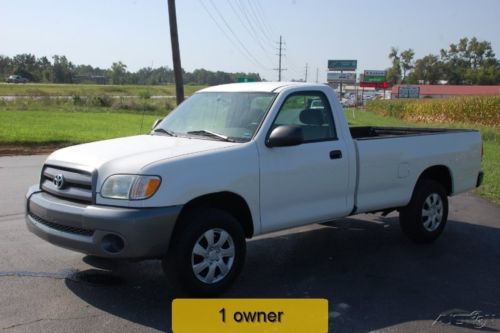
(239,160)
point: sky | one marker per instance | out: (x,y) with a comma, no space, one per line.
(243,35)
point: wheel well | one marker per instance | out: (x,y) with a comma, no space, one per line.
(228,201)
(440,174)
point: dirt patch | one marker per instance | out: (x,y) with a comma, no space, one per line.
(28,149)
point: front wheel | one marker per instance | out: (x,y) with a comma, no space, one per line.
(207,253)
(424,218)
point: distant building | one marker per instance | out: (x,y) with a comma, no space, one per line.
(440,91)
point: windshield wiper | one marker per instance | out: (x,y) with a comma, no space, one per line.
(162,130)
(211,134)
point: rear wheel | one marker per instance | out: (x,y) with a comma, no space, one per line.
(207,252)
(424,218)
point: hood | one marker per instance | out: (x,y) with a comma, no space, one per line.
(131,154)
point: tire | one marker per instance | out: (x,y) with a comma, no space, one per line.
(424,218)
(198,262)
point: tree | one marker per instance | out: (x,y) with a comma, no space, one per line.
(44,69)
(5,65)
(25,65)
(118,72)
(62,70)
(427,70)
(406,61)
(470,62)
(393,74)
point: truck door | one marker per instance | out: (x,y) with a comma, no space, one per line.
(305,183)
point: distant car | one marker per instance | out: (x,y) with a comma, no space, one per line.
(16,79)
(347,102)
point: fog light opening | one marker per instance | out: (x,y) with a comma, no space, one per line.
(112,243)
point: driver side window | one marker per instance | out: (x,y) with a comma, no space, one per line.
(311,112)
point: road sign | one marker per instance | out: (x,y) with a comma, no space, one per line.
(377,85)
(342,65)
(246,79)
(374,73)
(409,92)
(374,76)
(347,78)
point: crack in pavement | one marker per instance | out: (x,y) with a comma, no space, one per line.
(11,215)
(58,319)
(65,274)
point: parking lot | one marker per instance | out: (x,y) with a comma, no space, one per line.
(374,278)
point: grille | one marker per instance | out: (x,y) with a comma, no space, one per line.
(60,227)
(76,184)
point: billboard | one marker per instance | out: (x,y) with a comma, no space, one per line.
(342,65)
(409,92)
(376,85)
(374,76)
(347,78)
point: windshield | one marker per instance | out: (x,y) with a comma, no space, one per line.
(230,116)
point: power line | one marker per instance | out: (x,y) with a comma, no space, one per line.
(264,18)
(227,36)
(249,21)
(250,31)
(259,19)
(235,36)
(255,19)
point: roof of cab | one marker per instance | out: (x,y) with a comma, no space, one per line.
(255,87)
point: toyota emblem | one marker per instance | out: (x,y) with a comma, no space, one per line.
(58,181)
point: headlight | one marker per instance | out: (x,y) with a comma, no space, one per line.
(130,187)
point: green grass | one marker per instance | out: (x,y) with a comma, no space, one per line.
(66,128)
(90,104)
(491,138)
(38,89)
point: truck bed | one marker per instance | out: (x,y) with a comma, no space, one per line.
(374,132)
(390,160)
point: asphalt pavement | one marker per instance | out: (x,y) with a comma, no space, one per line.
(374,278)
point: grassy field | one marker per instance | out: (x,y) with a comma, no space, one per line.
(480,110)
(96,103)
(66,128)
(491,138)
(35,89)
(64,122)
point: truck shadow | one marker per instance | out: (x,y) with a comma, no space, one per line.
(372,275)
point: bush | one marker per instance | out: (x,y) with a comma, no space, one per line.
(77,100)
(103,100)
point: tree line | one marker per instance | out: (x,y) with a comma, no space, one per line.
(469,61)
(61,70)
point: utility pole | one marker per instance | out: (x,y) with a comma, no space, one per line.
(280,54)
(176,55)
(317,73)
(306,73)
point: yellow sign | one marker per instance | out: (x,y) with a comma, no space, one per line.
(249,315)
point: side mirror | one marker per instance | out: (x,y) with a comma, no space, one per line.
(285,135)
(156,122)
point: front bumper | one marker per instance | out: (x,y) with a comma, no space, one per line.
(103,231)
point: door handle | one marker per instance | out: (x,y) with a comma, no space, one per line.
(335,154)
